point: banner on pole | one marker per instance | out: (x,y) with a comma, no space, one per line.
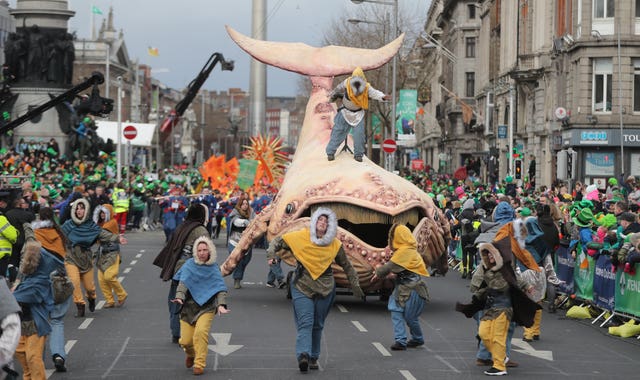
(628,293)
(564,269)
(584,273)
(247,173)
(604,284)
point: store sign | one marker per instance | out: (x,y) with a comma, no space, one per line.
(502,131)
(594,137)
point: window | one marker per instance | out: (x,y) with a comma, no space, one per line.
(636,85)
(603,8)
(601,93)
(471,84)
(637,8)
(471,47)
(472,11)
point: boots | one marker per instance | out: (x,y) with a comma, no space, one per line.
(80,313)
(236,284)
(92,304)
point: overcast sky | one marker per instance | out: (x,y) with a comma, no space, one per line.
(187,32)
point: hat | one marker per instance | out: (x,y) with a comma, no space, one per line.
(525,211)
(509,179)
(612,181)
(584,218)
(607,221)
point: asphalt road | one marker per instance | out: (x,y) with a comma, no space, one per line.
(256,340)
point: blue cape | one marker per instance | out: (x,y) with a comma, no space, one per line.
(84,234)
(203,281)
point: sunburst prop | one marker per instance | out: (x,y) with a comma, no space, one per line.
(271,161)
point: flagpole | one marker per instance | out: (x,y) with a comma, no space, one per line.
(91,22)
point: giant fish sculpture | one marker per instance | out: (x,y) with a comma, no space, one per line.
(366,198)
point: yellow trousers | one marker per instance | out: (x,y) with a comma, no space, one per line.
(494,336)
(530,332)
(194,339)
(29,353)
(109,284)
(87,281)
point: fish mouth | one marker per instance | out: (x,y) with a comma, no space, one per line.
(368,225)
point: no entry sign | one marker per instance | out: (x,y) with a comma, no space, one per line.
(389,145)
(130,132)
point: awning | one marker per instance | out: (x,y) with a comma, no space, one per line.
(144,135)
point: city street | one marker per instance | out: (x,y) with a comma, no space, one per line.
(256,339)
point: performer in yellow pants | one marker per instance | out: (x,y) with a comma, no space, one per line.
(109,258)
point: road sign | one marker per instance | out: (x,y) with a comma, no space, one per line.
(389,145)
(130,132)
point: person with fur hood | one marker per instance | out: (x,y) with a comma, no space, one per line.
(178,250)
(410,293)
(313,287)
(35,297)
(48,233)
(355,93)
(239,220)
(108,259)
(201,293)
(82,233)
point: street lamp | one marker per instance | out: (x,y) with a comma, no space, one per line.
(394,33)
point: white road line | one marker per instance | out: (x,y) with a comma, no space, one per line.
(381,348)
(133,262)
(69,345)
(124,346)
(121,278)
(142,251)
(85,324)
(49,372)
(342,308)
(407,375)
(359,326)
(126,270)
(454,369)
(100,305)
(139,255)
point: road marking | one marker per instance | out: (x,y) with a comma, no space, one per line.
(443,360)
(124,346)
(126,270)
(100,305)
(142,251)
(381,348)
(359,326)
(139,255)
(133,262)
(407,375)
(342,308)
(69,345)
(527,349)
(85,324)
(222,345)
(121,278)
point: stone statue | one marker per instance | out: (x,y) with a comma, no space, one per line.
(35,68)
(68,56)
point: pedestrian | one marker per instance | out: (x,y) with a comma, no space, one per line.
(313,287)
(175,253)
(121,203)
(8,237)
(48,233)
(35,297)
(355,92)
(201,293)
(410,293)
(10,331)
(239,219)
(83,232)
(108,259)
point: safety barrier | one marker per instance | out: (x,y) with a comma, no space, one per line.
(593,281)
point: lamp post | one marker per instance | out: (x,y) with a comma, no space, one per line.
(394,35)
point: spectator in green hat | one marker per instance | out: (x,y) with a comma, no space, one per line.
(583,220)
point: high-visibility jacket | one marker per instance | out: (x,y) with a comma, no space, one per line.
(120,200)
(8,236)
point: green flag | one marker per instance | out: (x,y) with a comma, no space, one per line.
(95,10)
(247,173)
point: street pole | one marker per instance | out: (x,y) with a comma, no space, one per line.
(620,104)
(119,138)
(511,146)
(108,68)
(202,128)
(393,78)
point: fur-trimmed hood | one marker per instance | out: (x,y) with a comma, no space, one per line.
(212,251)
(87,208)
(486,249)
(30,257)
(40,224)
(108,213)
(332,226)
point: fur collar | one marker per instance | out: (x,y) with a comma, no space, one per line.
(31,257)
(490,248)
(87,209)
(332,227)
(40,224)
(212,251)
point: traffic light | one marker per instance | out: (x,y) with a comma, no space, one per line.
(518,169)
